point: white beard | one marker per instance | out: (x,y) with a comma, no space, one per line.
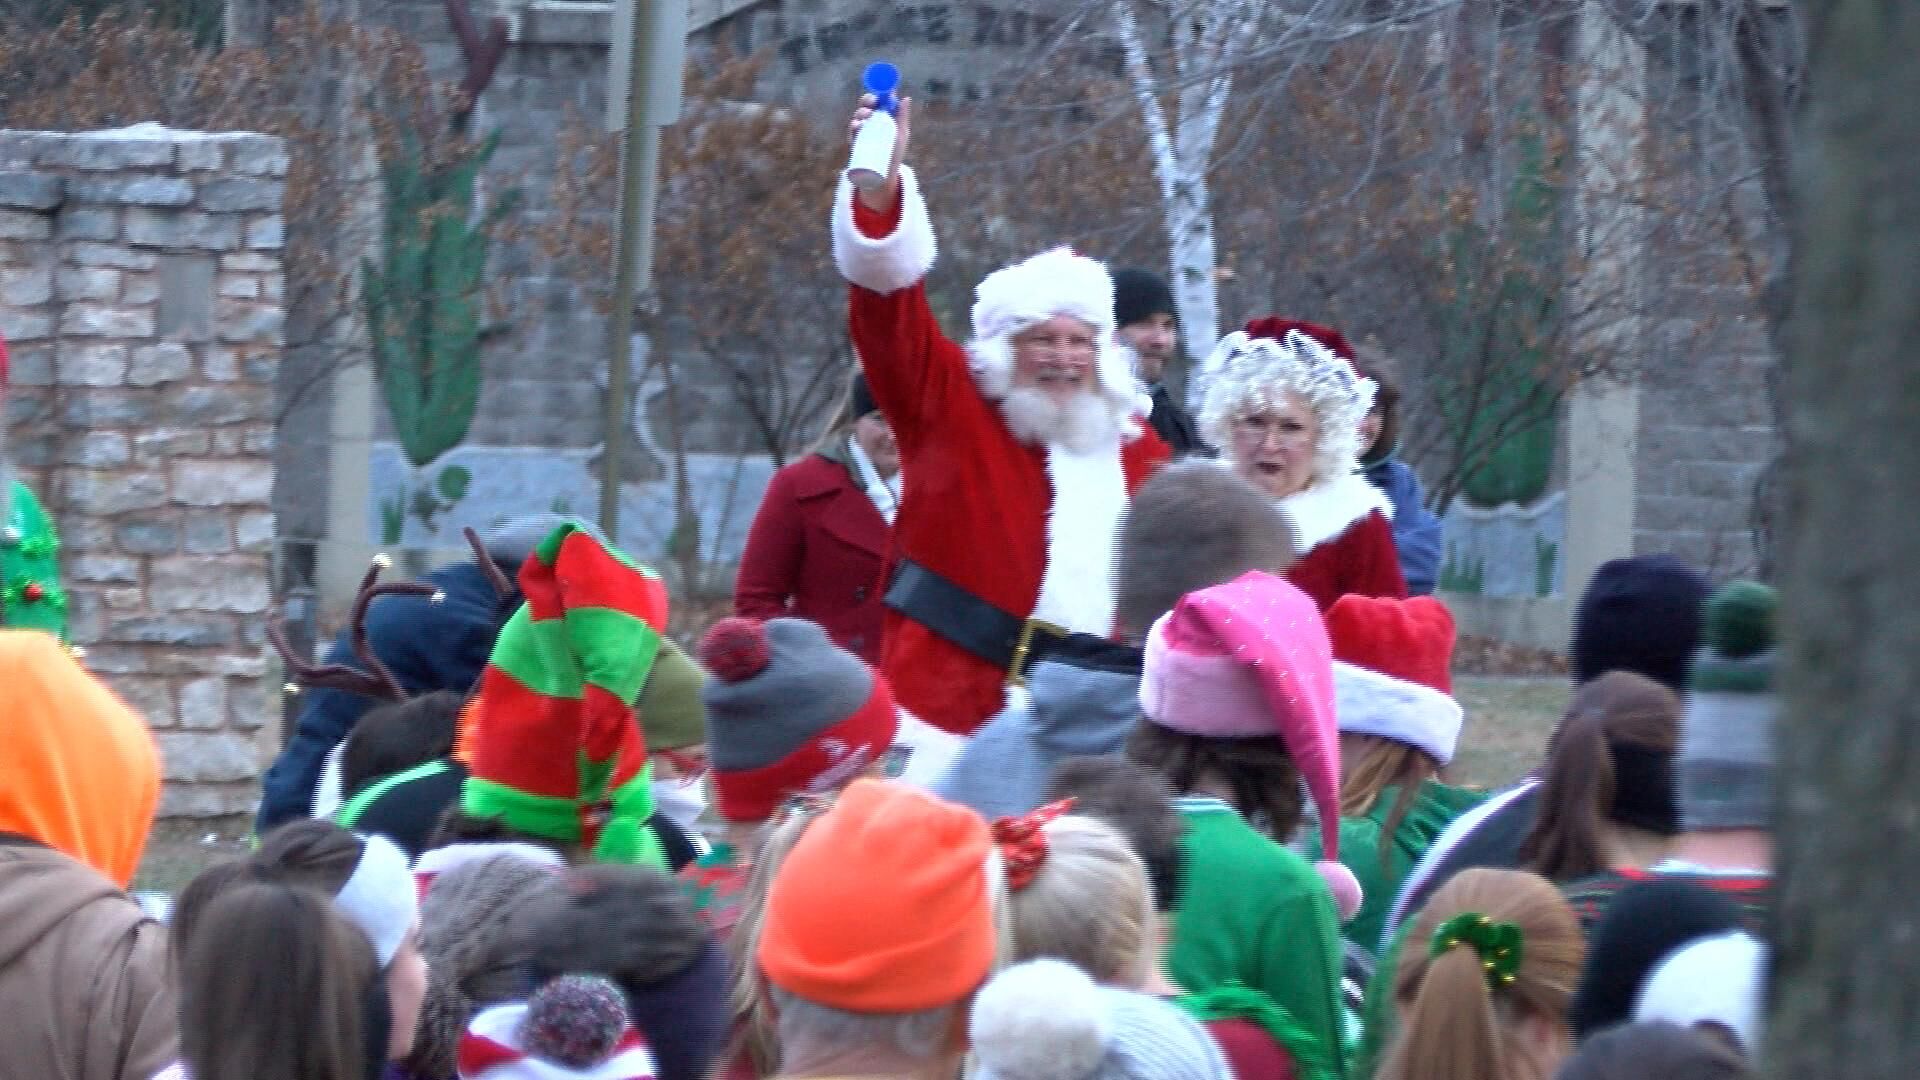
(1081,423)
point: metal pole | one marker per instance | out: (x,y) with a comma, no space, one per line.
(633,275)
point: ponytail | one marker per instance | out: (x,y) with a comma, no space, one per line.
(1618,718)
(1448,1028)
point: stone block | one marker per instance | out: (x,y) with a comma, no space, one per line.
(245,320)
(87,534)
(181,229)
(253,531)
(261,155)
(219,363)
(225,443)
(207,534)
(148,534)
(111,151)
(157,443)
(17,325)
(263,369)
(97,450)
(140,288)
(223,483)
(260,440)
(251,262)
(100,320)
(26,287)
(132,190)
(192,801)
(240,286)
(203,703)
(149,695)
(103,569)
(220,404)
(231,194)
(241,665)
(86,614)
(25,190)
(195,584)
(92,223)
(156,364)
(249,704)
(111,659)
(197,155)
(201,756)
(86,363)
(88,253)
(25,225)
(273,286)
(134,599)
(32,366)
(267,234)
(185,312)
(87,283)
(186,631)
(106,493)
(109,408)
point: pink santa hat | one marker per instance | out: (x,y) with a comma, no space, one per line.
(1251,658)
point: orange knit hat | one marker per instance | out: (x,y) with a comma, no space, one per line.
(883,906)
(81,774)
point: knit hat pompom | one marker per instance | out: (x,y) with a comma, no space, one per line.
(1343,885)
(1042,1020)
(735,649)
(1740,619)
(575,1021)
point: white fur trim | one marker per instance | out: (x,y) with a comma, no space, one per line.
(442,859)
(1710,980)
(1201,695)
(889,263)
(1370,703)
(1041,1020)
(1326,510)
(1054,282)
(380,898)
(501,1025)
(1083,524)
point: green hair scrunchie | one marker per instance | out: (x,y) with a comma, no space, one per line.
(1497,944)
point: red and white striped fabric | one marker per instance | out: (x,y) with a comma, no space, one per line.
(491,1050)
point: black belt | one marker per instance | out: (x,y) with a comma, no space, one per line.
(1000,638)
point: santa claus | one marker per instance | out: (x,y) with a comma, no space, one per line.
(1021,450)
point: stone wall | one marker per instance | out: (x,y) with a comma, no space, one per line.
(140,291)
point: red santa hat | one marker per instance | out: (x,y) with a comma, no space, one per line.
(1251,658)
(1393,671)
(1056,282)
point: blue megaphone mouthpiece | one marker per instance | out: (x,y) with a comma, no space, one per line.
(881,79)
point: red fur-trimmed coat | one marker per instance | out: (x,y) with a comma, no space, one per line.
(995,516)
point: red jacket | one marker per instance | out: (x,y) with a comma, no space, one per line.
(1346,542)
(978,504)
(817,551)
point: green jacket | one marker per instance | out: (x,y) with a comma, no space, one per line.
(1253,914)
(1432,810)
(30,594)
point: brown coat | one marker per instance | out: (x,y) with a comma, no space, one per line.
(86,984)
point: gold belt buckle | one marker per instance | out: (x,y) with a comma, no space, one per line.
(1016,669)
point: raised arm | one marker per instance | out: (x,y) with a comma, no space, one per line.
(883,244)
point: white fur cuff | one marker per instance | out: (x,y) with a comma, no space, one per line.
(1369,703)
(889,263)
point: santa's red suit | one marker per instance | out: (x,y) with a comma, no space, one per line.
(1345,538)
(989,525)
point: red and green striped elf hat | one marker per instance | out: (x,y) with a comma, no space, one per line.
(557,751)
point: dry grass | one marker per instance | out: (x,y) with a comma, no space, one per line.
(1508,721)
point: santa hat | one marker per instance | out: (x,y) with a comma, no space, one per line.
(556,752)
(1393,671)
(915,870)
(1369,703)
(1047,1020)
(1056,282)
(1253,370)
(575,1026)
(1251,658)
(788,713)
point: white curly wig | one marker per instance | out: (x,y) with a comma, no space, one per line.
(1249,375)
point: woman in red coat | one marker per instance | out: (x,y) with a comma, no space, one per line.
(818,546)
(1283,402)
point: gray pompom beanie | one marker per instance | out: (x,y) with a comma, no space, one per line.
(1047,1020)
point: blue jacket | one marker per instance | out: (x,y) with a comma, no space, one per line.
(428,645)
(1416,530)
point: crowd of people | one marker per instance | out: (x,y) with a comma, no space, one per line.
(1045,743)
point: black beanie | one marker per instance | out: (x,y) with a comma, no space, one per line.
(1640,615)
(1645,922)
(1138,294)
(860,399)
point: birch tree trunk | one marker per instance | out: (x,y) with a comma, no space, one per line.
(1847,970)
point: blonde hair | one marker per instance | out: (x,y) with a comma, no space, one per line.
(1453,1024)
(1375,764)
(1089,904)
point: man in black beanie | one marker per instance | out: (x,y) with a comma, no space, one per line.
(1143,317)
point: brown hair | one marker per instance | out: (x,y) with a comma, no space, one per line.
(1618,716)
(397,736)
(282,992)
(316,854)
(1371,363)
(1261,776)
(1377,764)
(1454,1024)
(1656,1049)
(1135,800)
(459,827)
(1192,526)
(756,1032)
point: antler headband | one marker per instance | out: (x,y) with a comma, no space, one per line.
(377,680)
